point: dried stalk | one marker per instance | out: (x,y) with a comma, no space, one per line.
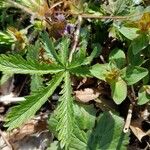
(10,99)
(6,141)
(132,98)
(76,38)
(93,16)
(128,119)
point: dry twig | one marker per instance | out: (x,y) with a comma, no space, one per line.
(76,38)
(5,139)
(132,98)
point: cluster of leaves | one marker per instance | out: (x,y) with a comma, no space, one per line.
(78,126)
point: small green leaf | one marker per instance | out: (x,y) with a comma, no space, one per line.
(140,43)
(118,57)
(119,91)
(26,109)
(99,71)
(133,74)
(128,32)
(144,95)
(108,134)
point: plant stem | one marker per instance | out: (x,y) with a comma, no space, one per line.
(76,38)
(93,16)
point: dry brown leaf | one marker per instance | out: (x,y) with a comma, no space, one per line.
(86,95)
(136,125)
(29,128)
(138,132)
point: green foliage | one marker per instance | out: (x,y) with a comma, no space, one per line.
(23,112)
(86,115)
(39,95)
(64,113)
(118,57)
(129,33)
(116,77)
(113,51)
(133,74)
(139,43)
(16,64)
(108,133)
(5,38)
(49,47)
(144,95)
(119,90)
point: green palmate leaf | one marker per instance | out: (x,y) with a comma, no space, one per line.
(133,74)
(140,43)
(99,71)
(49,47)
(128,32)
(108,134)
(64,52)
(16,64)
(118,57)
(82,71)
(23,112)
(64,113)
(144,95)
(119,91)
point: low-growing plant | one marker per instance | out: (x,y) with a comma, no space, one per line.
(54,49)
